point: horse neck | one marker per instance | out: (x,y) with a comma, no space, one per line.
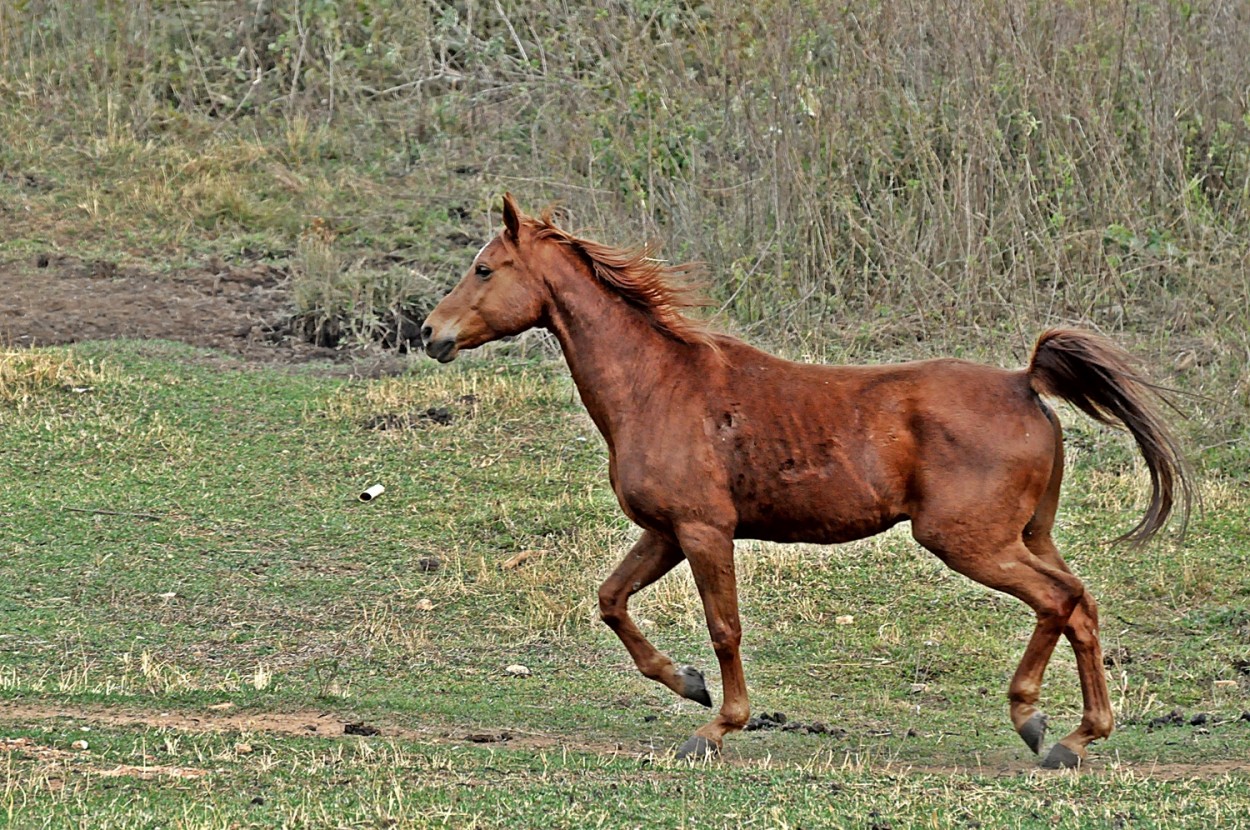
(614,352)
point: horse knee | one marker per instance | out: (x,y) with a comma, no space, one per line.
(726,639)
(1057,606)
(1088,613)
(1070,590)
(1082,624)
(1077,593)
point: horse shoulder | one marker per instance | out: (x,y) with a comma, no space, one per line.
(665,464)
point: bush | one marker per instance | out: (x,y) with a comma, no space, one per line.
(341,304)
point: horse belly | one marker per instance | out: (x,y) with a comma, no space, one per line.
(818,513)
(813,532)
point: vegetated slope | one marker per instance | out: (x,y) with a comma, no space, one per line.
(873,178)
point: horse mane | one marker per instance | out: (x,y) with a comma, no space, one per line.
(656,288)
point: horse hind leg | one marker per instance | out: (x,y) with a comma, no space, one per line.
(651,557)
(1081,630)
(1054,594)
(1026,684)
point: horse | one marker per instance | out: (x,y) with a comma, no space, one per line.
(711,440)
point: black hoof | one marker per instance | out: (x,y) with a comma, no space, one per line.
(1034,732)
(1060,757)
(693,687)
(697,748)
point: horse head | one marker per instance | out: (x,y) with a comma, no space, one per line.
(501,295)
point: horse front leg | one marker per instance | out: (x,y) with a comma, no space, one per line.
(651,557)
(710,552)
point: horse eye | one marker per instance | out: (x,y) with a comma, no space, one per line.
(482,271)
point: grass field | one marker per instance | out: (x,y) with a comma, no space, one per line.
(194,590)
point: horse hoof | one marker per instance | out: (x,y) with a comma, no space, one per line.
(697,748)
(693,687)
(1060,757)
(1034,731)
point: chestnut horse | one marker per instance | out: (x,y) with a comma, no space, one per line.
(711,440)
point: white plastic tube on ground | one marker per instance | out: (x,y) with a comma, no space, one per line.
(372,493)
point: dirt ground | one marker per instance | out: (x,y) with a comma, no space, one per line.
(241,311)
(222,719)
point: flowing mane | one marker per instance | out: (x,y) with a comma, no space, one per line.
(658,289)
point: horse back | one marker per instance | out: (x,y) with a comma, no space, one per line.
(834,453)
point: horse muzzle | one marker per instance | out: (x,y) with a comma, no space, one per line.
(442,349)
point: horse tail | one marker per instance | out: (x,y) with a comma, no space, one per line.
(1099,379)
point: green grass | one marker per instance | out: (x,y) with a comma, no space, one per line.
(360,783)
(284,782)
(177,536)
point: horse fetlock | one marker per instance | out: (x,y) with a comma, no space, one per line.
(660,668)
(1098,724)
(692,685)
(733,719)
(1022,696)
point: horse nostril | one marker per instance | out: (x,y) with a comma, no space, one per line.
(426,332)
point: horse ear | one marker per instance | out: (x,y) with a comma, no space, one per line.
(511,216)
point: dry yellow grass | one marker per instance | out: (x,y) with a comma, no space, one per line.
(26,375)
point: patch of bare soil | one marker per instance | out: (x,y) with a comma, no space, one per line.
(220,719)
(55,760)
(240,310)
